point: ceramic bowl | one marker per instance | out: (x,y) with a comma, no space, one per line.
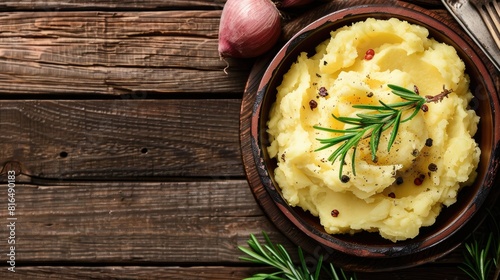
(452,219)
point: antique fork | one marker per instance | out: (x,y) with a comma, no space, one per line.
(490,12)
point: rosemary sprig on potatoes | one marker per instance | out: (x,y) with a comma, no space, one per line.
(371,124)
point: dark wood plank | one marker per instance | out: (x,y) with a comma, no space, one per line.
(131,4)
(109,4)
(114,53)
(122,138)
(204,272)
(132,222)
(157,223)
(131,272)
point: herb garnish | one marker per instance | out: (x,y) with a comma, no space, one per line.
(481,256)
(482,251)
(372,124)
(277,257)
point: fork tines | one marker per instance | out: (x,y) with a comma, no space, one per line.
(490,13)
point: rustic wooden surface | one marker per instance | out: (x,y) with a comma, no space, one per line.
(124,132)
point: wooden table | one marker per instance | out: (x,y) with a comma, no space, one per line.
(123,132)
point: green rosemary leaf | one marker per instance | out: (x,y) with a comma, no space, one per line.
(347,120)
(336,276)
(342,163)
(336,140)
(255,257)
(353,142)
(353,129)
(255,245)
(305,270)
(374,116)
(417,108)
(409,96)
(375,140)
(476,263)
(468,270)
(367,107)
(333,157)
(284,254)
(274,252)
(368,122)
(318,267)
(404,93)
(334,273)
(259,254)
(333,141)
(394,132)
(398,88)
(387,106)
(262,276)
(353,160)
(267,239)
(402,104)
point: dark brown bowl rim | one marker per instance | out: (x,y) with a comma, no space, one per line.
(400,248)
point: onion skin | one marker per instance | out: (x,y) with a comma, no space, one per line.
(248,28)
(294,3)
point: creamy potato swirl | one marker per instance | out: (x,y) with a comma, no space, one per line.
(434,154)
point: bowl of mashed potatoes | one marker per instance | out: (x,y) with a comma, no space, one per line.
(431,169)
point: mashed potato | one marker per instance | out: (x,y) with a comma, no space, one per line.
(434,154)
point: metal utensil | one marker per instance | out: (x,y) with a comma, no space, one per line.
(490,12)
(470,17)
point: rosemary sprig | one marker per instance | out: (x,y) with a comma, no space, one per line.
(276,256)
(481,257)
(372,124)
(482,251)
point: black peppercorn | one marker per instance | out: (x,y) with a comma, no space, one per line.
(313,104)
(345,179)
(399,180)
(432,167)
(428,142)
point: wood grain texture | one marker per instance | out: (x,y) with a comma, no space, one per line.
(114,53)
(203,272)
(132,137)
(44,5)
(62,5)
(132,222)
(113,109)
(133,272)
